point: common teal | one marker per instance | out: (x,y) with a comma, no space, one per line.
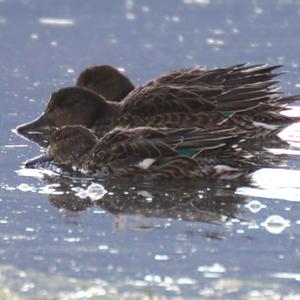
(190,97)
(150,152)
(106,81)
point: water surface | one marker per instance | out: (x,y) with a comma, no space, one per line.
(141,240)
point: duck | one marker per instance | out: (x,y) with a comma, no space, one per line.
(107,81)
(113,85)
(148,152)
(242,94)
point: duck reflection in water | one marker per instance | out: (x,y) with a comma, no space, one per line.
(192,202)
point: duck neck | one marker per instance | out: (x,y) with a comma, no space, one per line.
(106,116)
(112,111)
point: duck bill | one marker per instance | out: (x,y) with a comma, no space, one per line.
(38,161)
(39,125)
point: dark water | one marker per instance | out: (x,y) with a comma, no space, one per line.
(237,240)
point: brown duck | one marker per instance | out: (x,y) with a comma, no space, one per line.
(241,95)
(144,151)
(107,81)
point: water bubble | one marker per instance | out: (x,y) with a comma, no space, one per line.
(24,187)
(82,194)
(76,189)
(96,191)
(275,224)
(255,206)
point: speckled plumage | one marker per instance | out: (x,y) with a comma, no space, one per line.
(150,152)
(242,95)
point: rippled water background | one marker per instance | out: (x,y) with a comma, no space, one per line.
(132,240)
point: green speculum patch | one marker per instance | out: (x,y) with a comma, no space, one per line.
(189,152)
(227,114)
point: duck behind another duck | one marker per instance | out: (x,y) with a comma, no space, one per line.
(107,81)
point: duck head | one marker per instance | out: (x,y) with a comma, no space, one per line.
(69,106)
(106,81)
(69,145)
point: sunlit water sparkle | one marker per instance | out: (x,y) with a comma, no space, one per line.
(70,237)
